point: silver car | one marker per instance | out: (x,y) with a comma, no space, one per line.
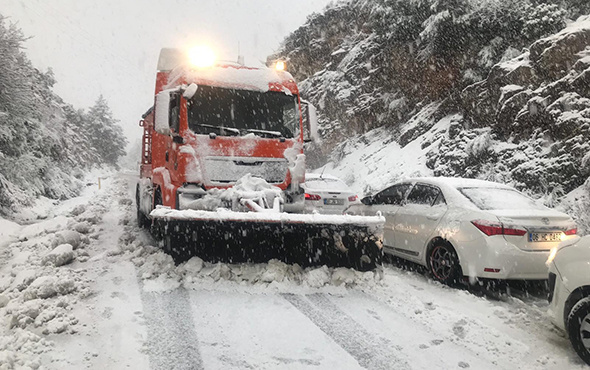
(327,194)
(468,228)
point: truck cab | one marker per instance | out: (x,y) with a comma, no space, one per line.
(212,124)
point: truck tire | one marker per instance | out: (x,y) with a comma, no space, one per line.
(157,197)
(578,328)
(143,220)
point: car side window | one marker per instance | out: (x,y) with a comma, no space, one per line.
(393,195)
(439,200)
(423,194)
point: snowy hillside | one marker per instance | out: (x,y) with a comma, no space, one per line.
(45,144)
(486,89)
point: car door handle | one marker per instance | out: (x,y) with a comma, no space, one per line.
(434,217)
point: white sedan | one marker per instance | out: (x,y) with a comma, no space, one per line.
(569,293)
(327,194)
(468,228)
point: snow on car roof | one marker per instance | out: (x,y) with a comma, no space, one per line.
(450,187)
(458,182)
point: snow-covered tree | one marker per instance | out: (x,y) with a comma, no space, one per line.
(104,132)
(45,143)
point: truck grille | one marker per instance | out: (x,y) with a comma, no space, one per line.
(231,169)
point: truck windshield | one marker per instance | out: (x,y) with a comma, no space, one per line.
(230,112)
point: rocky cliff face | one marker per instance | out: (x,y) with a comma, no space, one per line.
(528,122)
(490,89)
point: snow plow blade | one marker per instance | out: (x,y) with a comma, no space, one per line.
(236,237)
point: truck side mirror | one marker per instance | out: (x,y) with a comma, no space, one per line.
(162,107)
(310,122)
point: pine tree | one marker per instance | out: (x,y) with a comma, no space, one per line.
(104,132)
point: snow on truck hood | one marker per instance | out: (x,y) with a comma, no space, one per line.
(238,77)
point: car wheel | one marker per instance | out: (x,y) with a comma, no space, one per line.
(578,328)
(443,263)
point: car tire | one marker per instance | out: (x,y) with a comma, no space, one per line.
(578,328)
(443,263)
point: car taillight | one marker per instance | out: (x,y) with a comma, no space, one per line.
(353,198)
(490,228)
(510,231)
(312,197)
(571,232)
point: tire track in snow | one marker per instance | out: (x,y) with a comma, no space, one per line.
(172,339)
(370,351)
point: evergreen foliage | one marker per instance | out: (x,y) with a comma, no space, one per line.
(45,143)
(384,58)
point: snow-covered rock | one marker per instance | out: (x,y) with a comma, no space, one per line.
(44,227)
(67,237)
(3,300)
(48,286)
(60,255)
(23,278)
(82,227)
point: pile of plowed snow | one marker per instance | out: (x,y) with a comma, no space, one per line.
(39,286)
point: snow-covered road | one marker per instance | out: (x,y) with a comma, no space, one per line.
(115,301)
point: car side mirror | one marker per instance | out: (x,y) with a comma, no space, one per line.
(367,201)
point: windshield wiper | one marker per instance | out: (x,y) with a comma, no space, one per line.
(221,129)
(274,133)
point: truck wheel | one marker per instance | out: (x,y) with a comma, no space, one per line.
(578,328)
(142,220)
(443,263)
(157,198)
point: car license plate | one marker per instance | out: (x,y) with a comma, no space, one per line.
(334,202)
(544,237)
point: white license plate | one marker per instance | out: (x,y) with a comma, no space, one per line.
(544,237)
(334,202)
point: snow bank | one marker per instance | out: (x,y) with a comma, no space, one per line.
(159,274)
(40,281)
(8,228)
(44,227)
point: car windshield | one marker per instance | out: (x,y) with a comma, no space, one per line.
(230,112)
(326,184)
(499,198)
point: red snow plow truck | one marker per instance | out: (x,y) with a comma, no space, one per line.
(222,164)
